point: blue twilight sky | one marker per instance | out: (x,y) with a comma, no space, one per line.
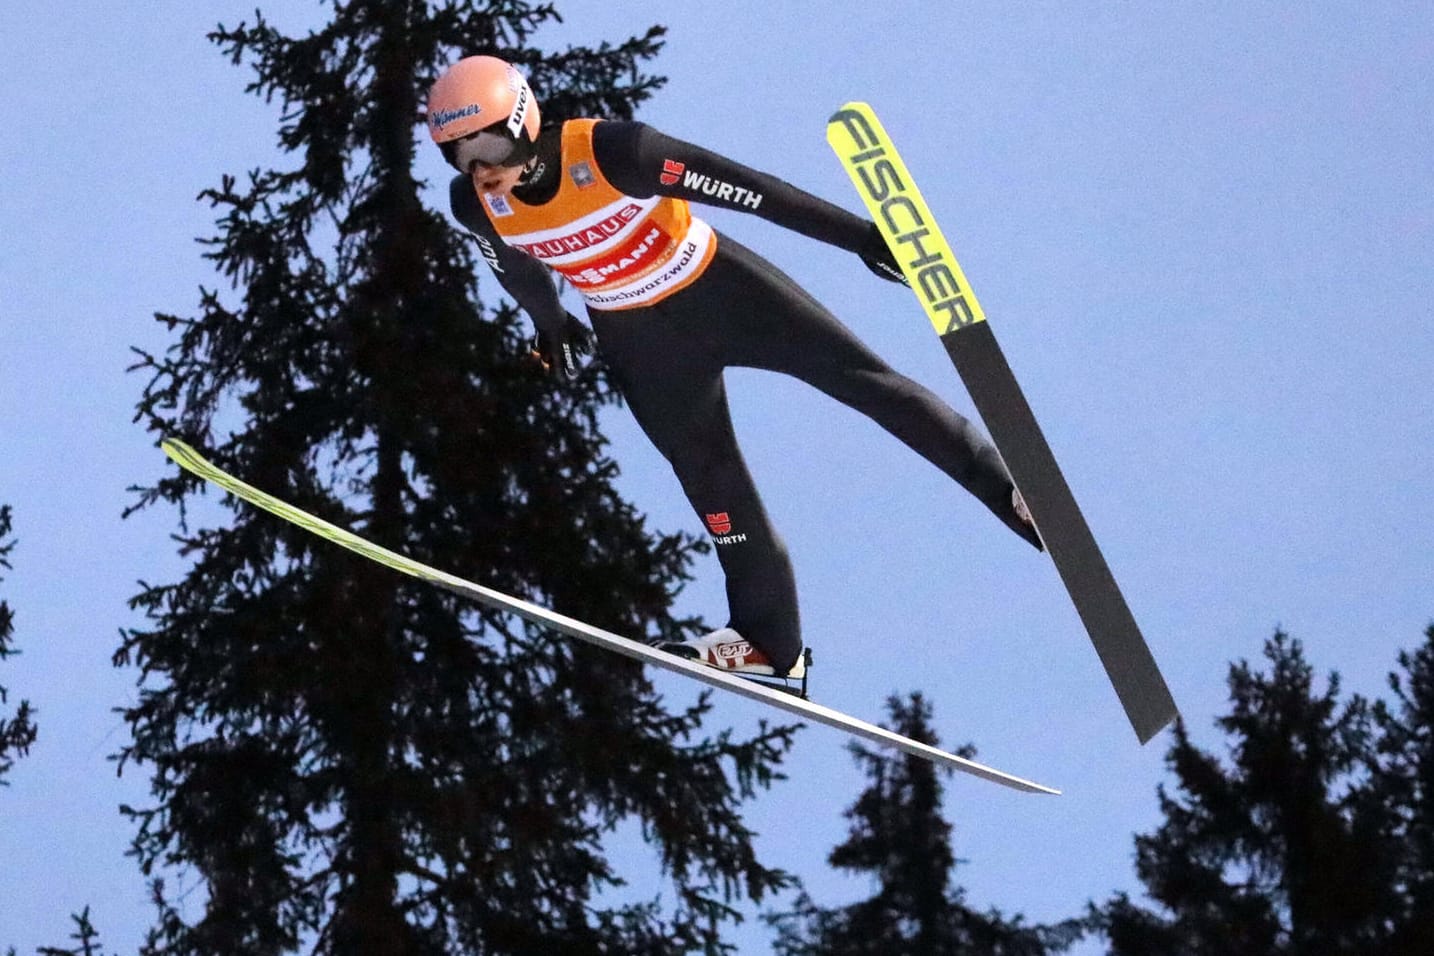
(1204,234)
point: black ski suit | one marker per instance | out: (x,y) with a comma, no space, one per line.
(736,309)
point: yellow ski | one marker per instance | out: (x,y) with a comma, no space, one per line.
(926,259)
(190,460)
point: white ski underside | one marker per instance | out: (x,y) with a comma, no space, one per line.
(192,461)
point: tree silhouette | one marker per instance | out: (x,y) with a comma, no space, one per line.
(349,761)
(17,732)
(86,937)
(1282,849)
(899,837)
(1404,786)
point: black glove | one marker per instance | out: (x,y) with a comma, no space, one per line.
(559,349)
(878,258)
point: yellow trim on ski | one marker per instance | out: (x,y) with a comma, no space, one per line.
(896,205)
(192,461)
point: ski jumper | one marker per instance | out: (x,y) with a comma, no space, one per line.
(673,303)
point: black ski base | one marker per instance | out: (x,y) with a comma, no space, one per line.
(1072,547)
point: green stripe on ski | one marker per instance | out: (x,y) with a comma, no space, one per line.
(190,460)
(195,463)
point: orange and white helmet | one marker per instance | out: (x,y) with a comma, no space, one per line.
(481,110)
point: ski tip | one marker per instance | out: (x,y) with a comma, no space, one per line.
(855,106)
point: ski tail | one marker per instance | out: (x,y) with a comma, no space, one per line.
(1082,566)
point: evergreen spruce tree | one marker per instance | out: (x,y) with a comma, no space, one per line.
(86,937)
(346,760)
(17,734)
(17,731)
(899,837)
(1280,850)
(1404,784)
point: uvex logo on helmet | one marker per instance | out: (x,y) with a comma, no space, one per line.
(519,116)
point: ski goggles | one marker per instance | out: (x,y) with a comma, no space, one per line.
(487,147)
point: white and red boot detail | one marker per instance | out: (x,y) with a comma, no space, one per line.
(727,650)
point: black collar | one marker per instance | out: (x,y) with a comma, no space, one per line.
(542,183)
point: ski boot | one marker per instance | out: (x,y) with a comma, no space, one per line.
(727,650)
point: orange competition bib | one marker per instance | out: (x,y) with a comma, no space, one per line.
(617,251)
